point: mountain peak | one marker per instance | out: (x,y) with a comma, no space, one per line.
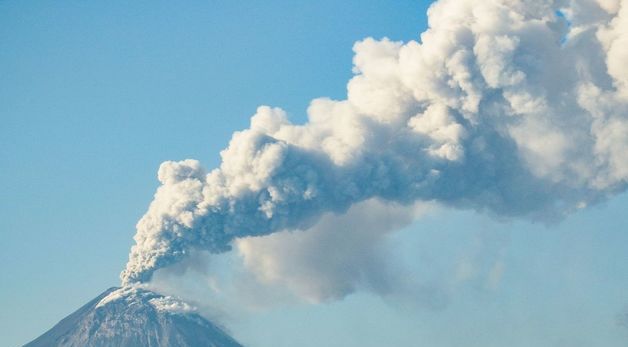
(133,316)
(137,296)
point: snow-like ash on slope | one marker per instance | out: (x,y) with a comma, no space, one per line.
(132,317)
(516,107)
(131,294)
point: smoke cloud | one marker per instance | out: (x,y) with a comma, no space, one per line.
(336,257)
(517,108)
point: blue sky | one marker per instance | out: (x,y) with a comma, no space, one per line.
(94,96)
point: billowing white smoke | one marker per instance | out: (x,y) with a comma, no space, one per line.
(336,257)
(515,107)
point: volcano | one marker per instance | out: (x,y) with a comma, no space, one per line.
(134,317)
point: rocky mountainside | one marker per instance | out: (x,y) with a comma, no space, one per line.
(134,317)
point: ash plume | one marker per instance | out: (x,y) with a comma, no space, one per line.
(517,108)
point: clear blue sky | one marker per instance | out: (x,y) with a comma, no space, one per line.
(95,95)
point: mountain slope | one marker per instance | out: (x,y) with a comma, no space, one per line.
(134,317)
